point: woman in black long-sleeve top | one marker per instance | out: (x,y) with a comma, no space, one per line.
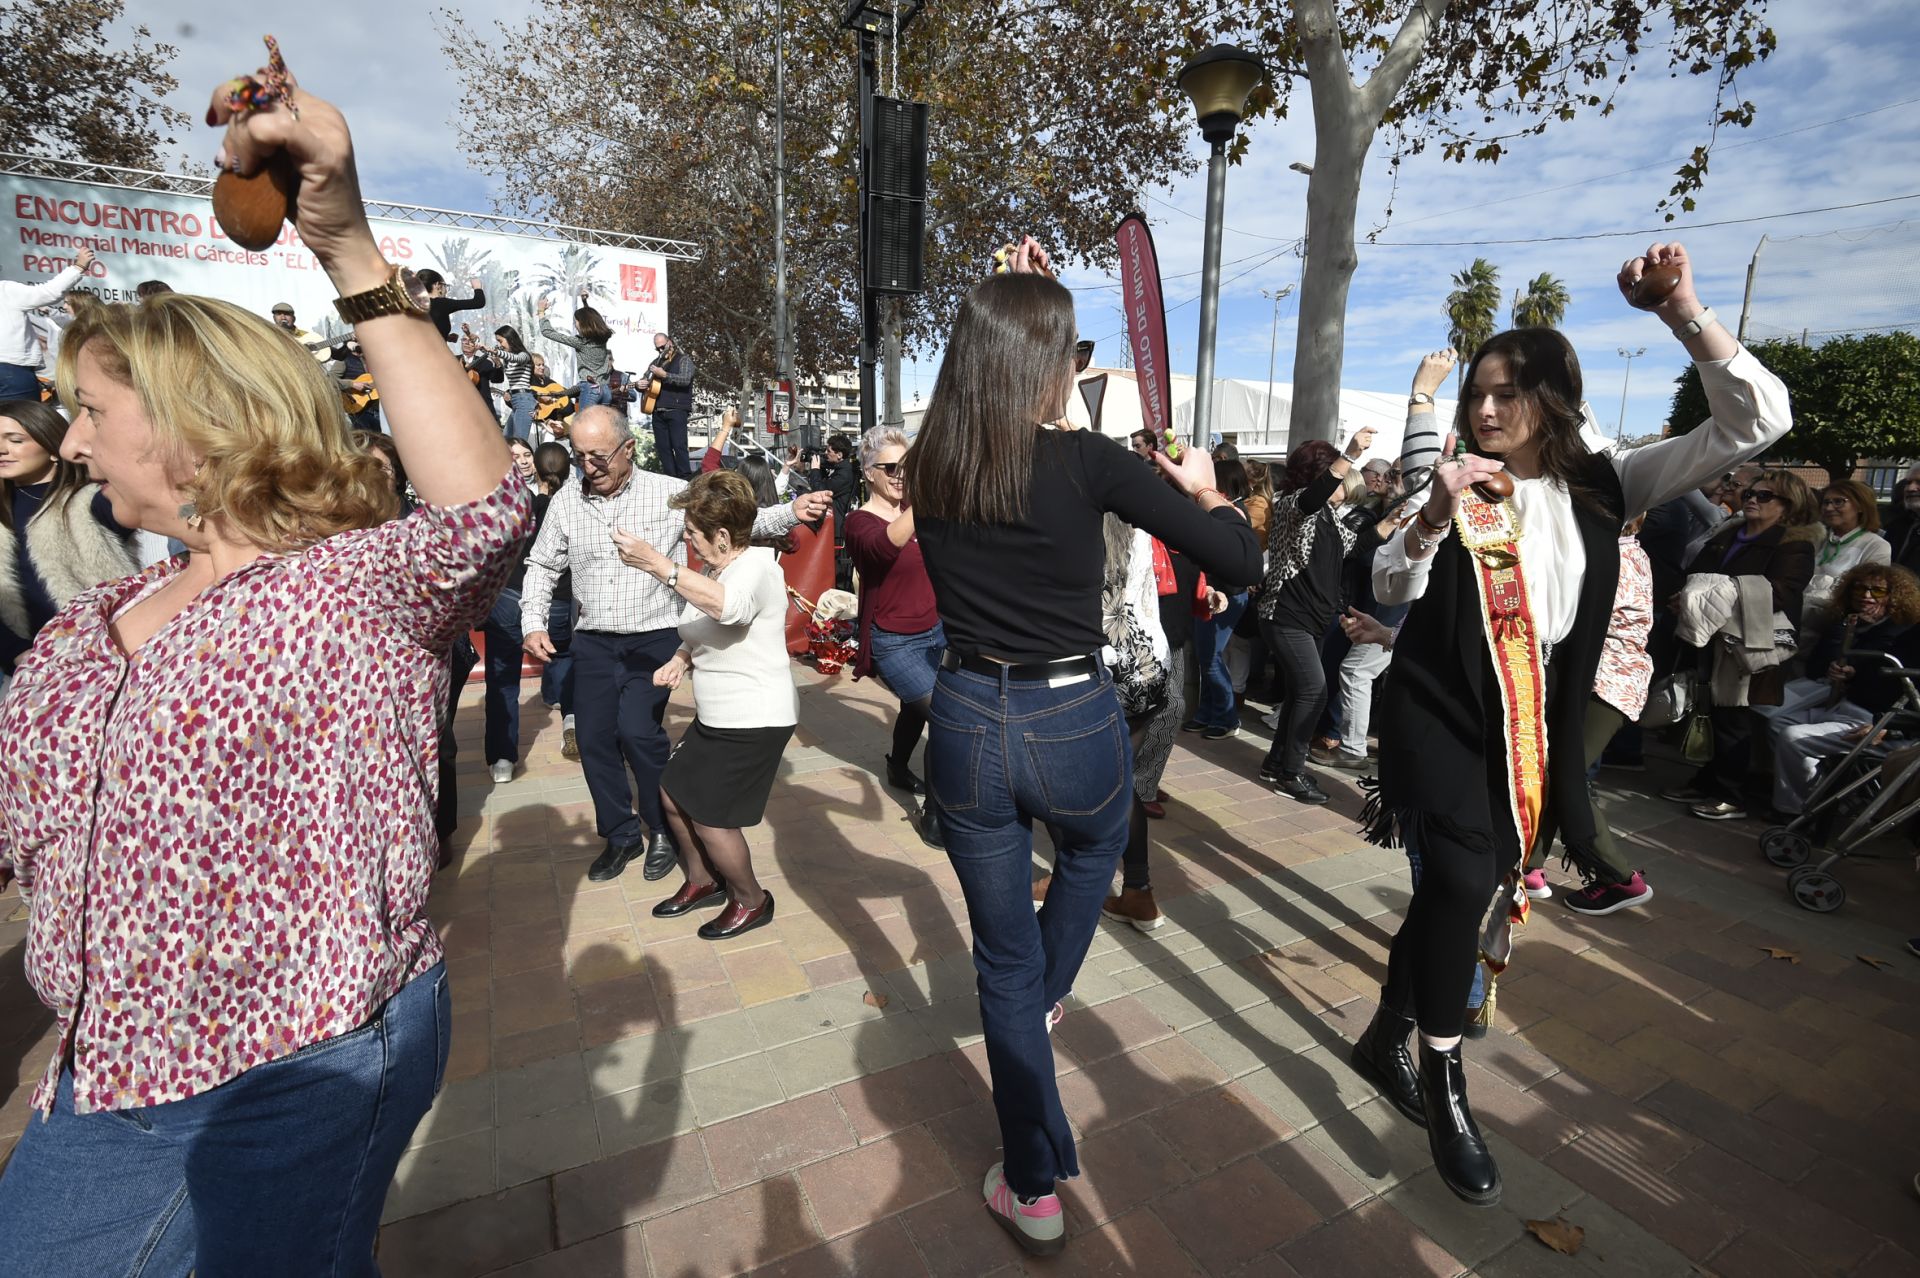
(1025,727)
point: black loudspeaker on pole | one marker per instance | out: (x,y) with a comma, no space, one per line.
(897,198)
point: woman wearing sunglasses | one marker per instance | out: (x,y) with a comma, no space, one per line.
(900,635)
(1775,537)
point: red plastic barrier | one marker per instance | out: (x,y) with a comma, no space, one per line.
(809,570)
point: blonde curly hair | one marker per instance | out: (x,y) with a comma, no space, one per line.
(1903,590)
(243,411)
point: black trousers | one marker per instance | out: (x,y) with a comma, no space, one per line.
(618,722)
(1304,681)
(1430,967)
(670,442)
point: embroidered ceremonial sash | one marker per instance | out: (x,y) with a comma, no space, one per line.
(1490,533)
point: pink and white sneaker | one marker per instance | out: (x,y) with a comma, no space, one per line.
(1536,883)
(1038,1225)
(1056,1015)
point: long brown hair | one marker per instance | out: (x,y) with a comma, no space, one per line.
(1546,373)
(591,325)
(46,427)
(1008,365)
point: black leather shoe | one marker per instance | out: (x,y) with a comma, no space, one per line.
(688,898)
(1459,1151)
(1383,1059)
(901,777)
(1299,787)
(610,863)
(929,826)
(734,920)
(662,856)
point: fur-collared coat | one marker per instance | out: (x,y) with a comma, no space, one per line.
(70,549)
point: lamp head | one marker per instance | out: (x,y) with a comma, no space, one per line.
(1219,81)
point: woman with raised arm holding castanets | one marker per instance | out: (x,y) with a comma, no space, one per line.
(1481,737)
(219,774)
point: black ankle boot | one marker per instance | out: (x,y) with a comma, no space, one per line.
(1383,1059)
(929,825)
(901,777)
(1459,1151)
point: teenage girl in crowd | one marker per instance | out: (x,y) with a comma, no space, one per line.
(592,362)
(1025,724)
(518,385)
(1483,720)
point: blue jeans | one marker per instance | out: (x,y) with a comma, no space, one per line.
(1210,635)
(619,728)
(502,629)
(520,410)
(17,381)
(587,394)
(281,1170)
(556,681)
(1002,754)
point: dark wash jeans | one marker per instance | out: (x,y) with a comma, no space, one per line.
(282,1170)
(1001,755)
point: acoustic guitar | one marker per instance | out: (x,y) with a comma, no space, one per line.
(657,379)
(360,401)
(553,401)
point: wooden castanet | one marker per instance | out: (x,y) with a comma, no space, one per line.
(1655,285)
(252,209)
(1495,487)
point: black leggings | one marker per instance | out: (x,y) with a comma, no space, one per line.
(1430,969)
(1133,861)
(1297,653)
(908,727)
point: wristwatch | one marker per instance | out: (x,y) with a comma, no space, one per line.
(402,294)
(1419,397)
(673,578)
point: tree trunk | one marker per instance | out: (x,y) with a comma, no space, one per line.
(1333,202)
(1345,116)
(890,414)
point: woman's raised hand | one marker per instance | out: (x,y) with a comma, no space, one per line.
(1193,473)
(1453,476)
(329,215)
(1681,303)
(1434,370)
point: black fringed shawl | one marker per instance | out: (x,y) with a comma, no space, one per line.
(1442,747)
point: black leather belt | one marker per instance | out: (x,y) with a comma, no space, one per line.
(1027,671)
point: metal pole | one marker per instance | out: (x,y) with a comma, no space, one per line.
(1273,346)
(1209,297)
(1746,301)
(780,353)
(869,303)
(1620,426)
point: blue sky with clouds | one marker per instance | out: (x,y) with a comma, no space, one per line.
(1590,177)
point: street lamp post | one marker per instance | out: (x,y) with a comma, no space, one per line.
(1218,81)
(1273,347)
(1620,427)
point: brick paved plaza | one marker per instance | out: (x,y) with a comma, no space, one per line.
(810,1099)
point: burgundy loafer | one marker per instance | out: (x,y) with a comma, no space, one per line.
(736,918)
(690,897)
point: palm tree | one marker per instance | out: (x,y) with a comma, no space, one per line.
(569,275)
(1471,307)
(1543,305)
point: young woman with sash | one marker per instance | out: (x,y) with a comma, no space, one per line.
(1481,750)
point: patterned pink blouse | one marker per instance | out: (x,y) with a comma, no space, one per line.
(229,837)
(1625,667)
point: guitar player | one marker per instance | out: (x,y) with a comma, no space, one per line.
(349,366)
(673,368)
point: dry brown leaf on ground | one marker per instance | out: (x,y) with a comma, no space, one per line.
(1774,951)
(875,1000)
(1558,1234)
(1871,961)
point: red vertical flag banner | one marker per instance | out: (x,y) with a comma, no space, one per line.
(1146,322)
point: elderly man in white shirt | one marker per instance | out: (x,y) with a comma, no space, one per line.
(20,354)
(628,628)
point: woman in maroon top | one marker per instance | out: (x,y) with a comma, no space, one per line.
(900,635)
(218,776)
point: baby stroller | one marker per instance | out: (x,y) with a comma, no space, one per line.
(1858,797)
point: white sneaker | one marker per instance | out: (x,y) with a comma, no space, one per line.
(1039,1226)
(503,772)
(1272,719)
